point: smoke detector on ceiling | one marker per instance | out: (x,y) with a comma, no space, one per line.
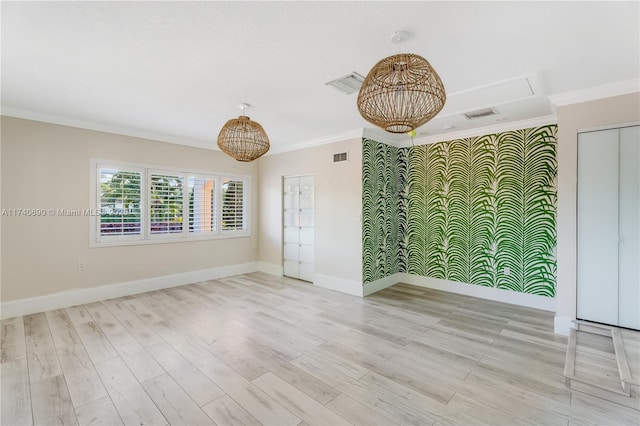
(348,84)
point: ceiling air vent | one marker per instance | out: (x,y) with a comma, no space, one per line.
(479,113)
(348,84)
(341,156)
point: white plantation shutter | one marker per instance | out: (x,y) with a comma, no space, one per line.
(120,198)
(233,204)
(166,204)
(141,205)
(203,205)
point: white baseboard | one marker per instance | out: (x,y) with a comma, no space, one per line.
(562,325)
(382,283)
(338,284)
(270,268)
(88,295)
(490,293)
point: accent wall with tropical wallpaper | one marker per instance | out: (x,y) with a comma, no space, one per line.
(479,210)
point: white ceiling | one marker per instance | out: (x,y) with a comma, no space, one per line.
(176,71)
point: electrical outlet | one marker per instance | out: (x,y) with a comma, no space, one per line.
(507,270)
(81,265)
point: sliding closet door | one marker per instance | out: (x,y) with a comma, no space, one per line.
(629,228)
(609,227)
(598,226)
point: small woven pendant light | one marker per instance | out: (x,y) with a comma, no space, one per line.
(243,139)
(401,92)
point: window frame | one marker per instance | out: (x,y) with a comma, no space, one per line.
(96,239)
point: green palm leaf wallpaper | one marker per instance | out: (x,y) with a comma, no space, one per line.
(464,210)
(380,249)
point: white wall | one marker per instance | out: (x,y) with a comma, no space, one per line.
(338,205)
(572,119)
(48,166)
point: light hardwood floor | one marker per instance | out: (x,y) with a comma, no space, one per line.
(258,349)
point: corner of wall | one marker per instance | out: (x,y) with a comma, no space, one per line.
(562,325)
(270,268)
(382,283)
(338,284)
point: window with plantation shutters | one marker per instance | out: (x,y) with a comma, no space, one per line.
(233,204)
(203,206)
(120,198)
(166,204)
(143,205)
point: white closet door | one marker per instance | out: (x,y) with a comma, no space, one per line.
(629,229)
(597,290)
(299,227)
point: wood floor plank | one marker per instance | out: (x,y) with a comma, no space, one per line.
(105,320)
(36,324)
(12,340)
(168,357)
(605,412)
(130,399)
(493,398)
(485,414)
(290,373)
(82,379)
(185,346)
(62,329)
(393,400)
(356,413)
(240,362)
(260,405)
(51,402)
(283,349)
(41,352)
(525,380)
(429,382)
(95,342)
(146,315)
(442,366)
(141,364)
(134,325)
(78,314)
(225,411)
(536,401)
(373,328)
(174,403)
(15,393)
(198,386)
(457,345)
(297,402)
(100,412)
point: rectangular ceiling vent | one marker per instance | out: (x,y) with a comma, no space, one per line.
(348,84)
(341,156)
(479,113)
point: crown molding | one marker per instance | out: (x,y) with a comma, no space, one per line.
(593,93)
(486,130)
(339,137)
(103,127)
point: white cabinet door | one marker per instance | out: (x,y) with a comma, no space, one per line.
(299,227)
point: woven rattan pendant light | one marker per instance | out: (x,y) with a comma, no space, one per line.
(243,139)
(401,92)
